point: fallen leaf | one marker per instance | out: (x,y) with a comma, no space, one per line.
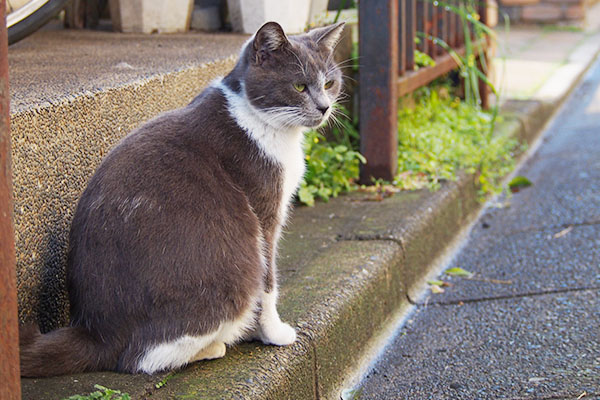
(457,271)
(434,282)
(518,182)
(435,289)
(351,394)
(439,283)
(563,232)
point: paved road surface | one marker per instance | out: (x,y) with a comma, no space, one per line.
(527,326)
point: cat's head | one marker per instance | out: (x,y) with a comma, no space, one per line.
(293,81)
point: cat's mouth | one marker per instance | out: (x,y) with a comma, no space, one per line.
(318,120)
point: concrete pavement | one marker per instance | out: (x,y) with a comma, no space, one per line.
(526,324)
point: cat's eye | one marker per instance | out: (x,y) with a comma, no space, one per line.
(299,87)
(328,84)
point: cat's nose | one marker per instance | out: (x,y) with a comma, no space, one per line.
(323,109)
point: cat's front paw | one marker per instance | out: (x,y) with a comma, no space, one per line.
(280,334)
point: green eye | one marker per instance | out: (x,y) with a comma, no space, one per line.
(328,84)
(299,87)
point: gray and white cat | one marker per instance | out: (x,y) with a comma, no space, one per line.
(173,245)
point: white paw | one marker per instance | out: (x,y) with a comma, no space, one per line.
(280,334)
(211,352)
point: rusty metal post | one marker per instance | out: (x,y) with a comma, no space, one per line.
(483,59)
(10,385)
(378,47)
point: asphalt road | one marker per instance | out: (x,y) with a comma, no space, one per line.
(526,325)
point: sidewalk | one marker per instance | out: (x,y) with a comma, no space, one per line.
(347,267)
(540,63)
(525,324)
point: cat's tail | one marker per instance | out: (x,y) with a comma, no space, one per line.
(60,352)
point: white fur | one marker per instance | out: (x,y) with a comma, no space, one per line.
(173,354)
(179,352)
(282,145)
(272,330)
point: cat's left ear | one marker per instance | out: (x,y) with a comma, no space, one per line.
(328,36)
(268,39)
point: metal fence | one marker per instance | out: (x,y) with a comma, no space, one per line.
(9,338)
(387,32)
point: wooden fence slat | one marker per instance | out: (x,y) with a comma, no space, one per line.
(378,47)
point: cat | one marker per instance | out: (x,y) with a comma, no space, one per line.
(173,244)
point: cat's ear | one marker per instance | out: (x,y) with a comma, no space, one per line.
(327,36)
(268,39)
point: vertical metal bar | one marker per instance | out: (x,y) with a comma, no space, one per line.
(422,9)
(411,21)
(460,34)
(378,46)
(402,42)
(10,386)
(432,29)
(452,26)
(442,25)
(484,60)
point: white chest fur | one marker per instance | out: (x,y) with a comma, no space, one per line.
(281,145)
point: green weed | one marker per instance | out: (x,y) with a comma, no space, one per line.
(102,393)
(442,135)
(331,168)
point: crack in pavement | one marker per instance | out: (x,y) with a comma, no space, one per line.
(502,297)
(581,396)
(370,237)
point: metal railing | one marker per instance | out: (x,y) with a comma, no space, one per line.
(387,32)
(10,388)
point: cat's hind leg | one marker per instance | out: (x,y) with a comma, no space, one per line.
(214,350)
(173,354)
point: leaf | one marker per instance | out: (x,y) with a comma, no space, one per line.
(436,283)
(518,182)
(306,197)
(351,394)
(563,232)
(436,289)
(457,271)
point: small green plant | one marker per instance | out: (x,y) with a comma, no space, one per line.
(331,168)
(442,135)
(471,70)
(423,60)
(102,393)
